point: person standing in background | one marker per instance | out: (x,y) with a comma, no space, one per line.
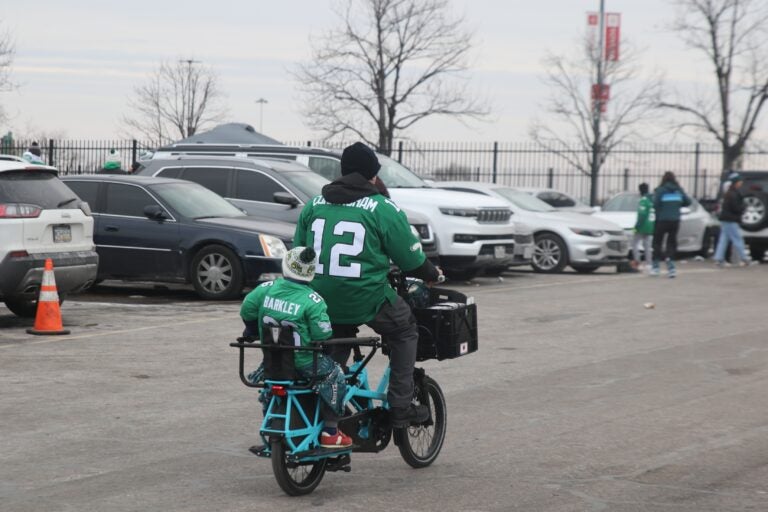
(33,154)
(644,226)
(730,216)
(668,199)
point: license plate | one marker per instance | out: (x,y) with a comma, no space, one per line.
(499,251)
(62,234)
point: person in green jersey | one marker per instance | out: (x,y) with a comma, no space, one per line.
(643,228)
(356,232)
(290,302)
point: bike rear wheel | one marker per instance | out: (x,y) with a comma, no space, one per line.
(295,479)
(420,445)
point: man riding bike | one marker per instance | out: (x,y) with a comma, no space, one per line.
(356,231)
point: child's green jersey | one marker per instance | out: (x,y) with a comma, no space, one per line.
(287,303)
(355,243)
(646,218)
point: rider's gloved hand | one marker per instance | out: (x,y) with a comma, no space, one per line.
(440,277)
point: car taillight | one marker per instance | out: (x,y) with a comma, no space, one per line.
(19,211)
(18,254)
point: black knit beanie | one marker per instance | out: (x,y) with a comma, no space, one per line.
(361,159)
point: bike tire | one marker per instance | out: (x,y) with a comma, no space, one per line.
(298,480)
(420,445)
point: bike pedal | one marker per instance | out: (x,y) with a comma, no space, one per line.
(259,450)
(339,464)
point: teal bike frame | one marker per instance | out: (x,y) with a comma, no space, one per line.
(287,416)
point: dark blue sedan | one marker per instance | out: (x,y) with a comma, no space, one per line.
(167,230)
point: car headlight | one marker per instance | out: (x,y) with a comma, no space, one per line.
(458,212)
(594,233)
(273,247)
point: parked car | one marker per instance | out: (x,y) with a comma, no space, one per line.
(167,230)
(560,238)
(698,228)
(272,189)
(558,200)
(472,234)
(41,218)
(754,221)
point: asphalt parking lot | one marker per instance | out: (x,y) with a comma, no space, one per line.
(581,398)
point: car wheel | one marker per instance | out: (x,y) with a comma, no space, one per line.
(25,308)
(757,252)
(216,273)
(550,255)
(755,211)
(585,269)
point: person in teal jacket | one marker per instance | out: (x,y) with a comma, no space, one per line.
(668,199)
(644,226)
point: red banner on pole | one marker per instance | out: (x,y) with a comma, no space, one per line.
(603,94)
(612,35)
(593,31)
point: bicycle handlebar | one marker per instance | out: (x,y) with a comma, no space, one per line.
(364,342)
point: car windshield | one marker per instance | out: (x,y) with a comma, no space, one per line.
(523,200)
(394,175)
(309,183)
(195,201)
(622,203)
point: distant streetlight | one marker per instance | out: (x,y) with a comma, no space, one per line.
(261,102)
(190,108)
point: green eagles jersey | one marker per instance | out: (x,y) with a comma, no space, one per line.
(646,217)
(287,303)
(355,243)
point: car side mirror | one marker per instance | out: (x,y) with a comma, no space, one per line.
(285,198)
(154,212)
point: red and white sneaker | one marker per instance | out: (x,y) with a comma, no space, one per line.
(337,440)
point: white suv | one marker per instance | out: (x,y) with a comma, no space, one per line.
(41,218)
(473,233)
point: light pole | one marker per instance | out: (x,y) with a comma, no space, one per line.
(190,94)
(261,102)
(597,106)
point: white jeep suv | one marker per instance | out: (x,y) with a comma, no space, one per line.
(41,218)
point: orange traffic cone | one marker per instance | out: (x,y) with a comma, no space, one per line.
(48,318)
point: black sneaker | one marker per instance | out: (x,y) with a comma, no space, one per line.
(413,415)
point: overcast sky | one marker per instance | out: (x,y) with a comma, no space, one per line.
(78,60)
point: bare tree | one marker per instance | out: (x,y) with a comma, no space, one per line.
(7,53)
(733,34)
(177,101)
(386,68)
(579,117)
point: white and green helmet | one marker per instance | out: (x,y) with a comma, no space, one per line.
(299,264)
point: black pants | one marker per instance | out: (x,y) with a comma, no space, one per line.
(397,327)
(668,229)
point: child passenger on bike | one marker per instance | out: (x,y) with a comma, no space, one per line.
(289,301)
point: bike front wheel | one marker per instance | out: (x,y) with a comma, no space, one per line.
(294,478)
(421,444)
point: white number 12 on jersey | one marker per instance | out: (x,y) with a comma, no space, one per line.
(338,250)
